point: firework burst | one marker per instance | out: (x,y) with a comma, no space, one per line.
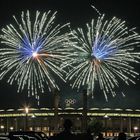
(104,52)
(31,52)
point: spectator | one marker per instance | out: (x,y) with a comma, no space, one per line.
(88,135)
(122,136)
(66,134)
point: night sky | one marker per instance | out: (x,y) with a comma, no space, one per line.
(78,13)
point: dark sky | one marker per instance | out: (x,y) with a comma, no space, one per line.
(77,12)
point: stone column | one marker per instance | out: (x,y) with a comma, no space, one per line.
(56,105)
(84,110)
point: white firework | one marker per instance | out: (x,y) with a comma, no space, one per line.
(31,51)
(103,52)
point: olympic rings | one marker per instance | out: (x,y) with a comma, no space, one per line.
(70,101)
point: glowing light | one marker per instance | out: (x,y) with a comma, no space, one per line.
(35,54)
(103,53)
(135,128)
(26,110)
(2,126)
(11,128)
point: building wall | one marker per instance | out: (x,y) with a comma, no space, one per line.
(113,124)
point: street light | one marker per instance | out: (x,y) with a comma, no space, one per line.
(26,110)
(106,117)
(11,128)
(33,117)
(135,130)
(26,118)
(2,128)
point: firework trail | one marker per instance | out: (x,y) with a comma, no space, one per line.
(104,52)
(31,52)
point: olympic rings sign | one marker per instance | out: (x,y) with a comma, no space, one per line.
(70,101)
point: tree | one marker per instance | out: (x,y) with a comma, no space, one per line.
(95,126)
